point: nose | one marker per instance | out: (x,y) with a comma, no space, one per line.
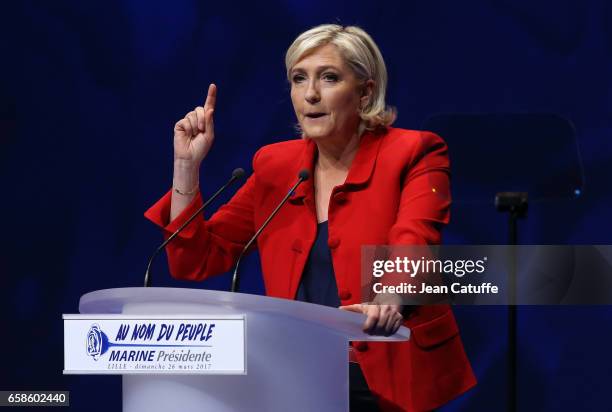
(312,95)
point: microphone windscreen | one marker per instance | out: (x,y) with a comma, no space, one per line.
(238,173)
(304,174)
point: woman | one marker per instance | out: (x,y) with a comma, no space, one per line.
(372,184)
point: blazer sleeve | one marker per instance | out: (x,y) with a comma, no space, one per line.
(424,209)
(207,247)
(425,196)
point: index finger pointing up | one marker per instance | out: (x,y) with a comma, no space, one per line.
(211,98)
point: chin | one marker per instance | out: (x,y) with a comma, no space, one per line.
(315,133)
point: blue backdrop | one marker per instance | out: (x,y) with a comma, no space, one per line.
(90,94)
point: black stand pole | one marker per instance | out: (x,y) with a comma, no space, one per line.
(514,203)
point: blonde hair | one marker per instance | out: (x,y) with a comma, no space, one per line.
(363,57)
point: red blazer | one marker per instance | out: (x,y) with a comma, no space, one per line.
(387,198)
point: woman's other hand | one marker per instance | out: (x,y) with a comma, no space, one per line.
(381,319)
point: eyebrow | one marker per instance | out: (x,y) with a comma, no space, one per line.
(319,69)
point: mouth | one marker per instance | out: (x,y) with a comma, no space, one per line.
(315,115)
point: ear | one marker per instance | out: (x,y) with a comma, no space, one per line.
(366,93)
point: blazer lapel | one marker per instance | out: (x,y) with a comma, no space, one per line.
(304,193)
(359,174)
(363,164)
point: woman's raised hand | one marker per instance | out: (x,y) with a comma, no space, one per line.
(195,133)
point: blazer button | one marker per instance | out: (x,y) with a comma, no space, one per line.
(333,242)
(340,198)
(297,246)
(360,346)
(344,294)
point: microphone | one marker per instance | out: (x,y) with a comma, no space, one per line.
(236,174)
(303,175)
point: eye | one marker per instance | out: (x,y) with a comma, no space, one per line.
(298,78)
(330,77)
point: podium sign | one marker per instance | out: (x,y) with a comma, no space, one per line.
(147,344)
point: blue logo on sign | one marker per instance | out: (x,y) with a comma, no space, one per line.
(97,342)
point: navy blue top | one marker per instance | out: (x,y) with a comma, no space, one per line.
(318,284)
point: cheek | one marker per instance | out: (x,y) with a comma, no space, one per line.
(295,101)
(345,104)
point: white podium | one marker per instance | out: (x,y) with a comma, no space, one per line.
(297,353)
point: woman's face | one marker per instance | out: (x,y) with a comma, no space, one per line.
(325,94)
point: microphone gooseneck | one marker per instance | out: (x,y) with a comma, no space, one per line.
(236,174)
(303,175)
